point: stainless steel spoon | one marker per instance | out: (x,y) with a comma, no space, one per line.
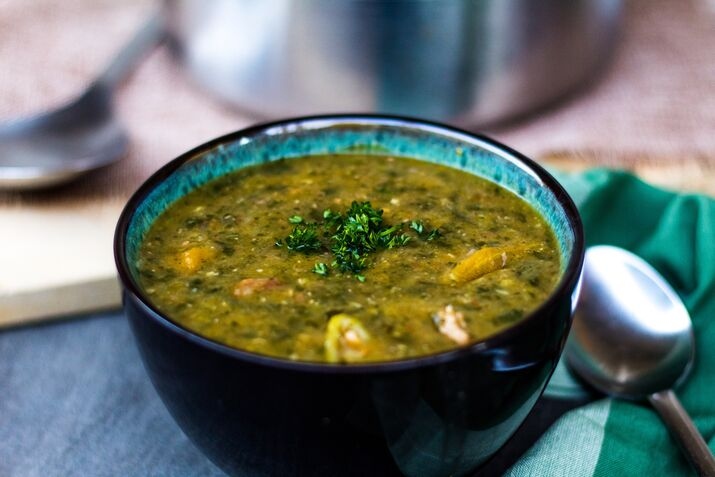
(83,135)
(633,338)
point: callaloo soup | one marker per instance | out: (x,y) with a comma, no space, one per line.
(348,259)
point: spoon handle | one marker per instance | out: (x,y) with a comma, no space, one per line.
(684,431)
(148,36)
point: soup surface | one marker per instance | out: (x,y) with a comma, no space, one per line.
(348,259)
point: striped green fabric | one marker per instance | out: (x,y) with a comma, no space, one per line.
(676,234)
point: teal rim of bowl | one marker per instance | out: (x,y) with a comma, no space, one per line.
(364,135)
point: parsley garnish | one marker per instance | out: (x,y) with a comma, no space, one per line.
(304,238)
(360,232)
(419,227)
(320,269)
(351,237)
(434,234)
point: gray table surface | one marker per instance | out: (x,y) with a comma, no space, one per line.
(75,401)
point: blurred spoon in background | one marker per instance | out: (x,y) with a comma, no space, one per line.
(633,338)
(57,146)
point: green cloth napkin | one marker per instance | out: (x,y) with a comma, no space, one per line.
(676,234)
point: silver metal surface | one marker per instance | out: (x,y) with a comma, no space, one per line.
(464,61)
(633,338)
(631,334)
(57,146)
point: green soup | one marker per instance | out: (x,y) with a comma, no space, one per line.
(348,259)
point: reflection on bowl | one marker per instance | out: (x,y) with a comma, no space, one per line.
(442,414)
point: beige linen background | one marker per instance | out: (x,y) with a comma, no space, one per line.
(654,103)
(658,96)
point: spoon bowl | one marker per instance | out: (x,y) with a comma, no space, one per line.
(57,146)
(631,334)
(633,338)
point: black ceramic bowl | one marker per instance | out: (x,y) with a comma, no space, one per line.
(442,414)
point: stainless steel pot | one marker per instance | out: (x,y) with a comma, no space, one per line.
(470,62)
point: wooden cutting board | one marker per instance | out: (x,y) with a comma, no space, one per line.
(56,257)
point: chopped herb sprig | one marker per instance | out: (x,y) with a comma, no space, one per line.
(433,234)
(419,227)
(304,238)
(350,237)
(358,233)
(320,269)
